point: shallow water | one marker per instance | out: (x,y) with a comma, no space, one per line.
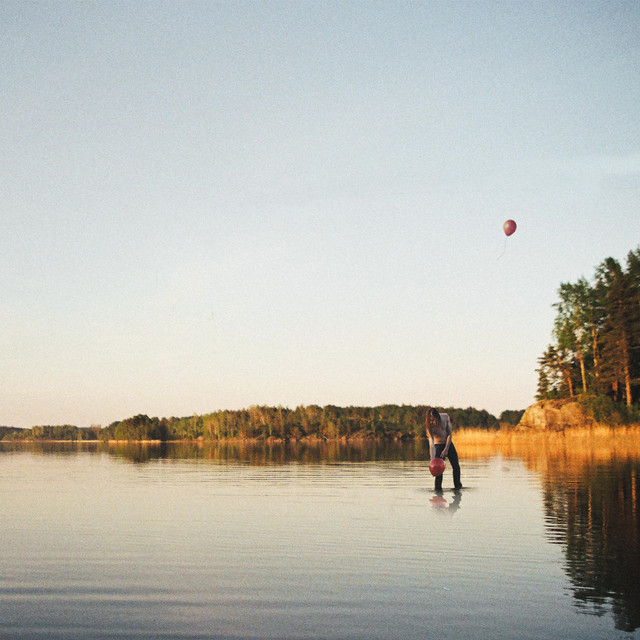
(268,542)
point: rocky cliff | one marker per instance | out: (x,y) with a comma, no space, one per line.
(554,415)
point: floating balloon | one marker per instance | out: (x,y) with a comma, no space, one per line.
(436,466)
(509,227)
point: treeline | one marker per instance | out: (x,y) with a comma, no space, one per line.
(261,422)
(7,431)
(596,348)
(51,432)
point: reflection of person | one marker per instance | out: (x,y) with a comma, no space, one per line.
(439,434)
(454,505)
(446,508)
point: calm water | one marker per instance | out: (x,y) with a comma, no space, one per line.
(202,542)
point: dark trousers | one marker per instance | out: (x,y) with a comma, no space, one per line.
(452,454)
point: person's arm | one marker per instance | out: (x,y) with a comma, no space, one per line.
(449,432)
(432,448)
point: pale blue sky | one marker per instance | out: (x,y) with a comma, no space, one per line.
(209,205)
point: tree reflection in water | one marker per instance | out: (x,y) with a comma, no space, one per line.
(594,515)
(264,453)
(591,494)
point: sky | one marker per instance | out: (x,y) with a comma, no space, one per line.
(213,205)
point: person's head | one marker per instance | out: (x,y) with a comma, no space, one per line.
(433,420)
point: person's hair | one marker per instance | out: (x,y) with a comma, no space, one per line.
(433,420)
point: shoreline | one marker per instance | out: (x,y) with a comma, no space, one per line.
(465,435)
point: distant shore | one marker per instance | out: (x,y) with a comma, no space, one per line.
(594,431)
(313,424)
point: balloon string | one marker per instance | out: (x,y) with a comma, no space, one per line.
(504,248)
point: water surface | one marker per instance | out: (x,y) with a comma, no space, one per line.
(315,542)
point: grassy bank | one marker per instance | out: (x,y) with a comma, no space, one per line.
(597,442)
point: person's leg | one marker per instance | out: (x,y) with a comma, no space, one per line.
(439,450)
(452,454)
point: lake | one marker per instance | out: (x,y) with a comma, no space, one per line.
(326,541)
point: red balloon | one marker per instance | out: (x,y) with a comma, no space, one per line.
(436,466)
(509,227)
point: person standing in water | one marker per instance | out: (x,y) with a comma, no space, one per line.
(439,434)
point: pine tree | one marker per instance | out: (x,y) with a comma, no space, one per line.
(618,329)
(576,324)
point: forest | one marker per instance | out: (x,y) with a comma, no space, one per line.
(595,351)
(262,422)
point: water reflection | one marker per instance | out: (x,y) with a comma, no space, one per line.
(278,453)
(258,453)
(445,506)
(593,513)
(591,494)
